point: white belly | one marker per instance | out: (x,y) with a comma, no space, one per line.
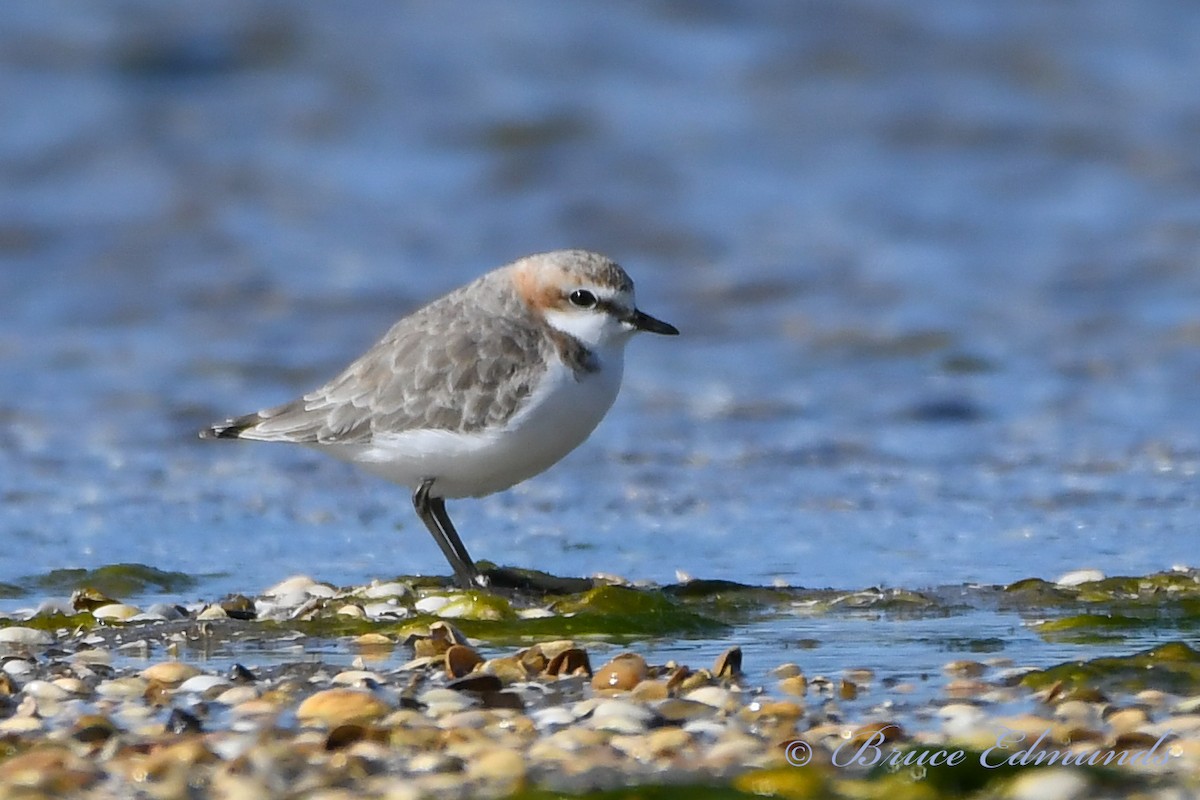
(560,413)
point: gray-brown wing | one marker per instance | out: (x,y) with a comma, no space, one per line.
(462,363)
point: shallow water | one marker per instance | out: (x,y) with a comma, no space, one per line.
(935,273)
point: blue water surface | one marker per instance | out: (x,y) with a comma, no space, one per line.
(936,276)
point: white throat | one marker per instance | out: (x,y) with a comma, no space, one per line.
(597,331)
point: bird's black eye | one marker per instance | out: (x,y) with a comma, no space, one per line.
(582,298)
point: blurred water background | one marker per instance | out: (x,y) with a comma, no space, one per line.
(936,270)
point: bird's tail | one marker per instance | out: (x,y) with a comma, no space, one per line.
(231,428)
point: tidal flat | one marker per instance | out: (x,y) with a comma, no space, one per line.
(404,687)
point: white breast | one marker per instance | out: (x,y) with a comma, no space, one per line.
(560,413)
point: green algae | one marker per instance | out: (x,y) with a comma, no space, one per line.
(54,622)
(1172,667)
(117,580)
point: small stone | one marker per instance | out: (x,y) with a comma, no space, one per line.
(203,684)
(70,685)
(352,611)
(357,677)
(622,673)
(115,612)
(508,669)
(384,611)
(788,670)
(122,688)
(19,635)
(679,711)
(461,660)
(715,696)
(650,690)
(169,673)
(18,667)
(50,769)
(1189,705)
(621,716)
(333,707)
(1049,783)
(728,664)
(212,612)
(236,696)
(431,605)
(568,661)
(1079,577)
(373,640)
(1078,713)
(796,685)
(478,682)
(44,690)
(439,702)
(381,591)
(551,717)
(498,764)
(1127,720)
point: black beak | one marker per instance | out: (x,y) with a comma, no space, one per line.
(644,322)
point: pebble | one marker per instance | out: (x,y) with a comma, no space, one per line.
(440,726)
(170,673)
(715,696)
(379,611)
(203,684)
(116,612)
(333,707)
(432,604)
(1049,783)
(380,591)
(20,635)
(438,702)
(1079,577)
(551,717)
(621,716)
(795,685)
(622,673)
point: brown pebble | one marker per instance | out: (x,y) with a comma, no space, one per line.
(622,673)
(1127,720)
(569,661)
(729,663)
(847,690)
(651,690)
(460,660)
(509,669)
(373,640)
(694,680)
(788,670)
(498,764)
(796,685)
(157,694)
(676,677)
(169,673)
(48,768)
(777,709)
(533,659)
(889,731)
(333,707)
(477,682)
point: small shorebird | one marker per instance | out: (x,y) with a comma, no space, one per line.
(477,391)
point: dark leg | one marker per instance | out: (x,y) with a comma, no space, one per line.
(432,511)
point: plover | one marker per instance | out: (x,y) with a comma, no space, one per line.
(477,391)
